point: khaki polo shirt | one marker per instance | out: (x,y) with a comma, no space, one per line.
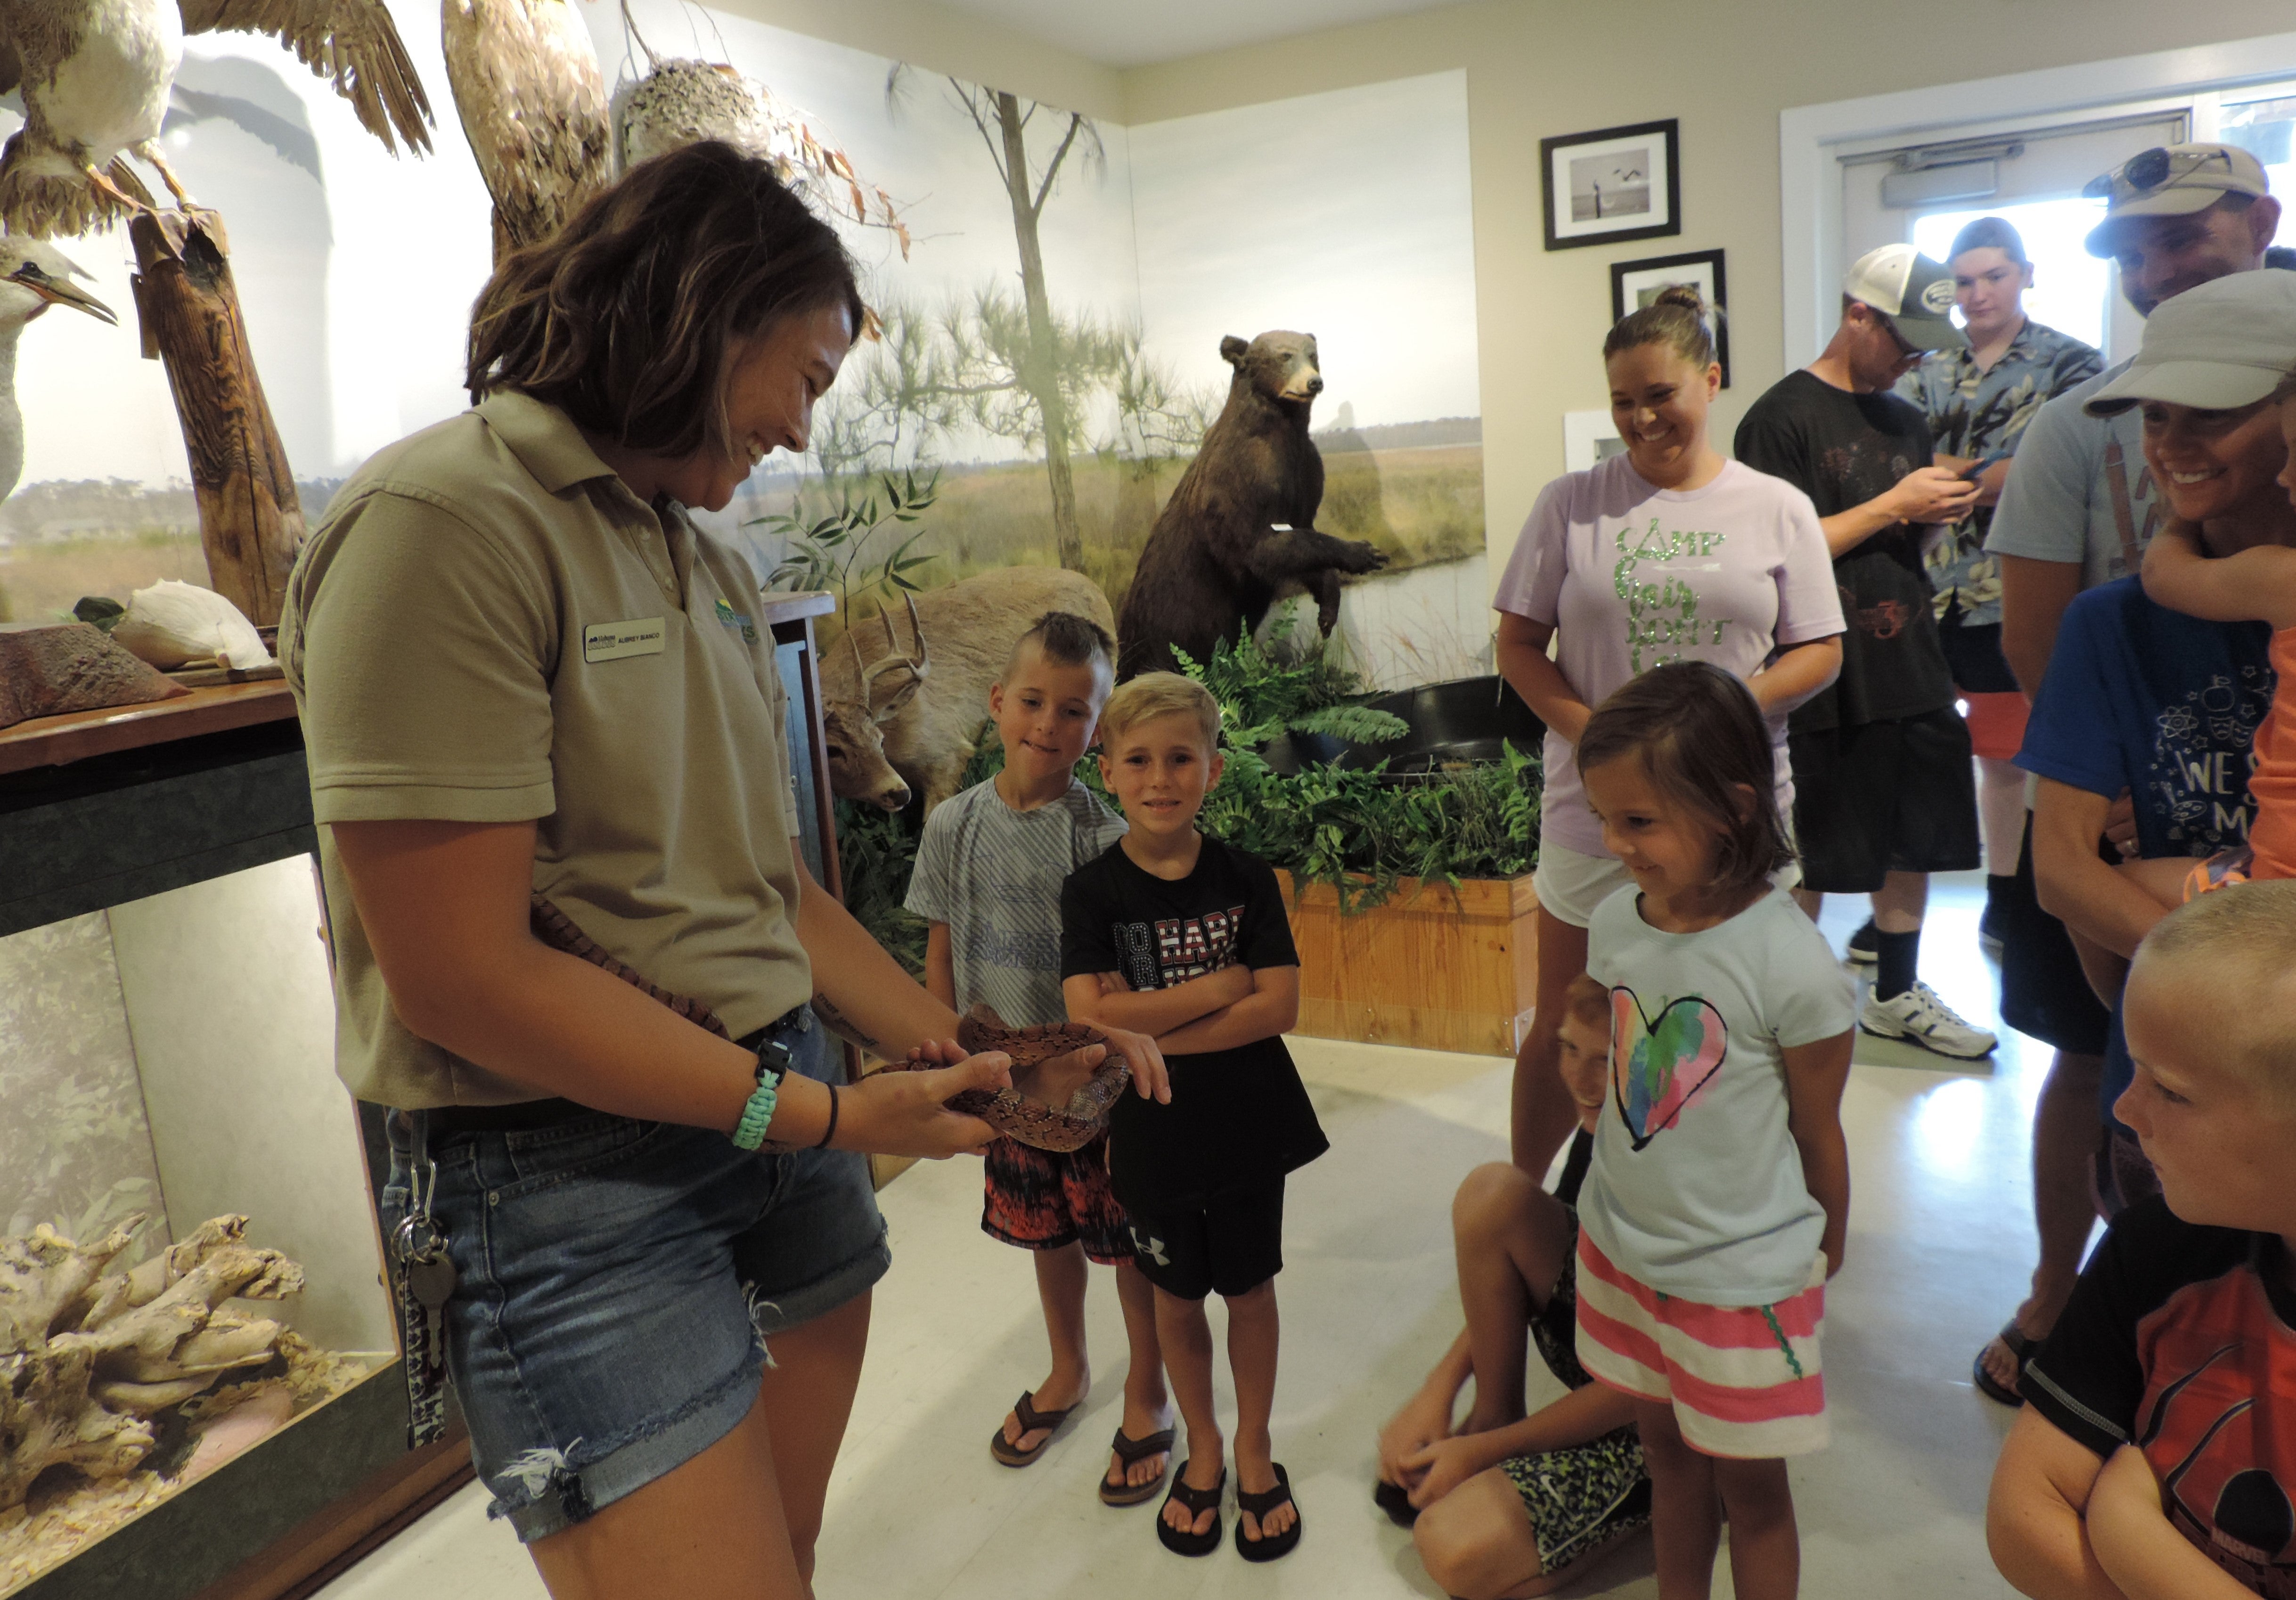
(487,626)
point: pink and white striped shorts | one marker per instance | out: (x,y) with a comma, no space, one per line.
(1745,1381)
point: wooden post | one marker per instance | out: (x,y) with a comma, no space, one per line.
(251,520)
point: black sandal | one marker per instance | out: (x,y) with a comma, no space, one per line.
(1031,1420)
(1259,1505)
(2020,1346)
(1127,1451)
(1395,1500)
(1197,1501)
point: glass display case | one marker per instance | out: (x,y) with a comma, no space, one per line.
(201,1391)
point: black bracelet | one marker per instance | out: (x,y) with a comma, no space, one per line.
(829,1132)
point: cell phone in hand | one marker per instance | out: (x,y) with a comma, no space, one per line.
(1973,474)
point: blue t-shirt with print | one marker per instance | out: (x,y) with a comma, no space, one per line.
(2142,698)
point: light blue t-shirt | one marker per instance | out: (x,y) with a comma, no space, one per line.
(2081,490)
(994,875)
(1696,1188)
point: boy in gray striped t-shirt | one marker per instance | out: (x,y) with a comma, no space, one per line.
(987,882)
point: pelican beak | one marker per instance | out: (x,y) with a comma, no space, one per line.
(58,292)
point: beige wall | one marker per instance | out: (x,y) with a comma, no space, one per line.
(1538,68)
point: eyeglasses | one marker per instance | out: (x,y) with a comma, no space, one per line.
(1896,338)
(2151,169)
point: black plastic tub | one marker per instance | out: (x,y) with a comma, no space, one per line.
(1464,720)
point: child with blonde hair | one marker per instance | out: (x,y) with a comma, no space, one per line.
(1186,938)
(1718,1199)
(2154,1460)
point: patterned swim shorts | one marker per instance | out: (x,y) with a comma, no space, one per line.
(1046,1199)
(1583,1496)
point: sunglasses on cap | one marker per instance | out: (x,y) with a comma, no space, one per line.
(2151,169)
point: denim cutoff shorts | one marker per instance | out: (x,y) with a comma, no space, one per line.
(618,1283)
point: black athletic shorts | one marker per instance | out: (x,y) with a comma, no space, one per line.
(1972,652)
(2044,992)
(1884,797)
(1230,1245)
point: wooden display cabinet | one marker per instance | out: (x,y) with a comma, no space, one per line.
(157,817)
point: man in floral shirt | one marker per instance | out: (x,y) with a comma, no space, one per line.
(1978,401)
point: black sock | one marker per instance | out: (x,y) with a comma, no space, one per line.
(1896,957)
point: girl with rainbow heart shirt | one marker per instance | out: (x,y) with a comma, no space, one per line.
(1720,1195)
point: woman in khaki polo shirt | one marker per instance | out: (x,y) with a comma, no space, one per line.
(526,675)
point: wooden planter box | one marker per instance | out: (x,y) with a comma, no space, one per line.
(1432,968)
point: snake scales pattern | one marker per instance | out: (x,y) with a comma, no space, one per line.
(1010,1111)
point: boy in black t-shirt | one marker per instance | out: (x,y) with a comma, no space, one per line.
(2157,1457)
(1184,938)
(1884,790)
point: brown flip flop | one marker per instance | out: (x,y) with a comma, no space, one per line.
(1031,1420)
(1130,1450)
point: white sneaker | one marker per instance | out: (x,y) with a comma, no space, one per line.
(1918,1015)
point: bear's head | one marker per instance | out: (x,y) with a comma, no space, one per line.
(1280,366)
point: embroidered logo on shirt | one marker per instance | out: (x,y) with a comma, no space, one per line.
(1657,1067)
(741,620)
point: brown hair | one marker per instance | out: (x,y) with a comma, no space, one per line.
(628,317)
(1586,999)
(1679,317)
(1990,233)
(1067,638)
(1701,738)
(1154,694)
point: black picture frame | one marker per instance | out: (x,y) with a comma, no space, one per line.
(1639,221)
(1628,278)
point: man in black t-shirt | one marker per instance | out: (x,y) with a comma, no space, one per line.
(2157,1455)
(1884,790)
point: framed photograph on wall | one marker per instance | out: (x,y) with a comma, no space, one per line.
(1612,184)
(1634,284)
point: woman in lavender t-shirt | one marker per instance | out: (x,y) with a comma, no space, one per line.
(1667,553)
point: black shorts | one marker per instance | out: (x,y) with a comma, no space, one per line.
(1884,797)
(2044,992)
(1973,653)
(1230,1245)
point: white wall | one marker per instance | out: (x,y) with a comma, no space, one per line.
(234,1021)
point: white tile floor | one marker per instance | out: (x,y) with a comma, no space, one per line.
(1940,1242)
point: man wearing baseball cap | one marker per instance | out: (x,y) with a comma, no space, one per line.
(1884,788)
(2077,511)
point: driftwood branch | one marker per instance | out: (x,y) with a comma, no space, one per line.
(250,521)
(87,1356)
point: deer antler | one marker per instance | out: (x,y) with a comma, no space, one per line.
(917,666)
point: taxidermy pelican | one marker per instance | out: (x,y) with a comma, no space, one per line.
(95,74)
(533,105)
(679,103)
(33,277)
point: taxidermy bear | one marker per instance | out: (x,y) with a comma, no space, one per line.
(1239,529)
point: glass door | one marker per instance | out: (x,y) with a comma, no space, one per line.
(1924,194)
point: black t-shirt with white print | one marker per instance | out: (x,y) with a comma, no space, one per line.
(2181,1340)
(1237,1116)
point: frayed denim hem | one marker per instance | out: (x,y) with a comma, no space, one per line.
(553,1494)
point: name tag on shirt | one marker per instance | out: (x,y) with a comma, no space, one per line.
(619,641)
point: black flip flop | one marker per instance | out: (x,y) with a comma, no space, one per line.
(1259,1505)
(1197,1501)
(1031,1419)
(1130,1450)
(2020,1346)
(1395,1500)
